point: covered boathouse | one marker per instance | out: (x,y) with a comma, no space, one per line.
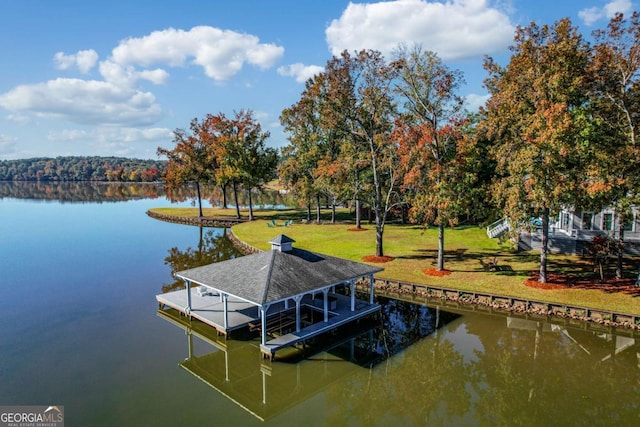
(289,294)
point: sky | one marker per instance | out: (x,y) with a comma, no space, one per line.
(116,78)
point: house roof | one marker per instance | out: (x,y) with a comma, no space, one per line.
(273,275)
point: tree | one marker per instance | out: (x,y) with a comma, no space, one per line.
(429,135)
(245,158)
(614,178)
(535,117)
(192,160)
(313,166)
(303,122)
(360,96)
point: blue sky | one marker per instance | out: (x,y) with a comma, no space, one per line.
(116,78)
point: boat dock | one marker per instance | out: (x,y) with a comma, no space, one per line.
(209,309)
(290,295)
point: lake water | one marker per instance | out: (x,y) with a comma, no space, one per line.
(80,327)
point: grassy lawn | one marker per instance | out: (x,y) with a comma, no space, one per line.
(415,250)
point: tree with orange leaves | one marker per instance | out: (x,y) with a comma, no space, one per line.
(536,118)
(430,138)
(614,173)
(192,161)
(242,154)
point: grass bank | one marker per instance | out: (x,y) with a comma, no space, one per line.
(415,250)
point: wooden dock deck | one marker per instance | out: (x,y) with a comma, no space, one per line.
(341,315)
(210,310)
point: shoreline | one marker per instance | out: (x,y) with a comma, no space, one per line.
(204,221)
(492,302)
(476,301)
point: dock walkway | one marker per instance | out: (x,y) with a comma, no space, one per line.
(209,309)
(341,315)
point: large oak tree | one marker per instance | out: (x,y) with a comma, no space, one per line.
(430,136)
(614,174)
(536,118)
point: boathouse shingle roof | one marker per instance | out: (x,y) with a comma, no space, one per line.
(274,275)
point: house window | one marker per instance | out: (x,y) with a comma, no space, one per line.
(587,220)
(607,222)
(565,221)
(628,222)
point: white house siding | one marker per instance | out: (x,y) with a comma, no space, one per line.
(568,234)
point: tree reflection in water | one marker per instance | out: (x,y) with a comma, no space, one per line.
(213,246)
(80,192)
(415,385)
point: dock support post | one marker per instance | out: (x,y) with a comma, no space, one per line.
(263,324)
(352,292)
(325,295)
(297,299)
(188,297)
(225,298)
(371,282)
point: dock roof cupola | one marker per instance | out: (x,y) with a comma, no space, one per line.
(282,243)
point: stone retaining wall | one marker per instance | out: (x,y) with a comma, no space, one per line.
(508,304)
(198,221)
(242,246)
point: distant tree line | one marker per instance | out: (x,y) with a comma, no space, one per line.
(77,168)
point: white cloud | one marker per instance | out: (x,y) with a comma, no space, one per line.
(590,15)
(117,100)
(7,145)
(128,76)
(615,6)
(473,101)
(67,135)
(301,72)
(454,29)
(84,102)
(18,118)
(134,135)
(112,134)
(221,53)
(593,14)
(84,60)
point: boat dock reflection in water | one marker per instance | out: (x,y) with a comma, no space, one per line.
(235,368)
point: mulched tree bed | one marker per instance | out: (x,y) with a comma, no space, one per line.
(357,229)
(436,273)
(567,281)
(377,259)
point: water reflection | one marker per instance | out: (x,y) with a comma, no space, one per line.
(235,368)
(74,192)
(213,246)
(535,372)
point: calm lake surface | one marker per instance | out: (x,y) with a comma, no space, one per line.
(80,327)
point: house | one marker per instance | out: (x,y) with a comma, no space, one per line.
(570,230)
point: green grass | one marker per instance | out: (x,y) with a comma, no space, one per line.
(415,250)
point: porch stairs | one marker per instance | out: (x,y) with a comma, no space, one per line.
(498,228)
